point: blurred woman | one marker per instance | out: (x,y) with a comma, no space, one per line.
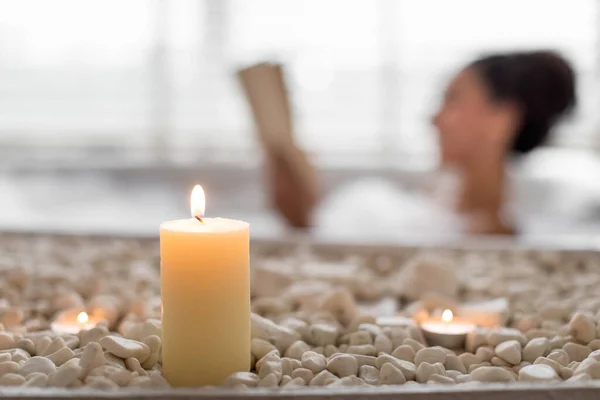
(493,109)
(497,107)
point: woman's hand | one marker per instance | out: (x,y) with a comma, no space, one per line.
(293,185)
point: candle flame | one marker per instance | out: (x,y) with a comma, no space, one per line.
(447,316)
(82,317)
(197,201)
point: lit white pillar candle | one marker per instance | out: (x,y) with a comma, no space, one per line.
(205,288)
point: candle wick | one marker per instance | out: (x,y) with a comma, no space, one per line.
(199,219)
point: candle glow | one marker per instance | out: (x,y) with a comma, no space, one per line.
(82,317)
(197,201)
(447,316)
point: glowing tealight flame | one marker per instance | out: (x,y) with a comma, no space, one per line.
(447,316)
(82,317)
(197,201)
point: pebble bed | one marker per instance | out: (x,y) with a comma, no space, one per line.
(314,318)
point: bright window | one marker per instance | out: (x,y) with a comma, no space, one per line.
(365,75)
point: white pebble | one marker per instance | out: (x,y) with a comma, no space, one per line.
(247,378)
(390,375)
(580,378)
(103,370)
(540,373)
(408,369)
(441,379)
(475,339)
(285,380)
(314,362)
(263,328)
(11,318)
(294,383)
(382,344)
(270,356)
(509,351)
(5,357)
(92,357)
(92,335)
(260,347)
(296,349)
(122,377)
(343,365)
(497,336)
(566,373)
(330,350)
(65,375)
(305,374)
(18,355)
(369,374)
(37,365)
(348,381)
(41,344)
(485,353)
(323,378)
(111,359)
(61,356)
(560,356)
(37,379)
(582,327)
(125,348)
(498,362)
(453,363)
(363,349)
(430,355)
(366,360)
(551,363)
(27,345)
(360,338)
(12,379)
(537,347)
(425,370)
(288,365)
(8,367)
(323,334)
(492,374)
(416,346)
(404,352)
(269,381)
(576,351)
(141,382)
(133,364)
(56,344)
(6,341)
(469,359)
(101,383)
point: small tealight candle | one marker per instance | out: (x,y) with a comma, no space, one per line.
(446,332)
(67,324)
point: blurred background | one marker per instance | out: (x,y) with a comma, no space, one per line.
(111,110)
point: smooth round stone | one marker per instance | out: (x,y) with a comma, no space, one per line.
(492,374)
(582,328)
(509,351)
(343,365)
(390,375)
(539,373)
(125,348)
(430,355)
(6,341)
(537,347)
(404,352)
(576,351)
(37,364)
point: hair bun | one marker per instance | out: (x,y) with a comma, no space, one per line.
(541,82)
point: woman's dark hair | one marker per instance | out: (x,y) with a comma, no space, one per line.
(542,83)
